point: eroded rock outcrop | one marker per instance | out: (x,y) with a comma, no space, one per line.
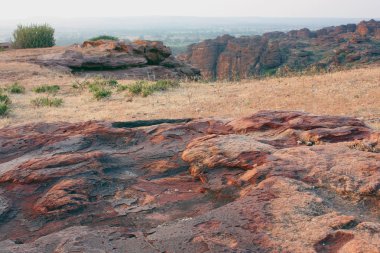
(272,182)
(137,60)
(228,57)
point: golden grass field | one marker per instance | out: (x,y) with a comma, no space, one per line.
(350,93)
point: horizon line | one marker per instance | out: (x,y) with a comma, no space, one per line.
(184,16)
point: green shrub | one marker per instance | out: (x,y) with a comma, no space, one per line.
(4,109)
(104,37)
(33,36)
(47,89)
(47,102)
(4,99)
(16,88)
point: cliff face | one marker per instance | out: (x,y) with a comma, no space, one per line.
(271,182)
(228,57)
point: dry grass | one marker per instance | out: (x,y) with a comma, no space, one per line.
(352,93)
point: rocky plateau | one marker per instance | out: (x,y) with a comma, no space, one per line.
(276,181)
(231,58)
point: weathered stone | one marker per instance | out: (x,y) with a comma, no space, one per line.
(273,182)
(4,205)
(137,60)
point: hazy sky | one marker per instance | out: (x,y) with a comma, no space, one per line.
(120,8)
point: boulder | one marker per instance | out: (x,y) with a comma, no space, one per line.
(154,51)
(105,56)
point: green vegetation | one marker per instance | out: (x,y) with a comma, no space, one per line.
(47,89)
(16,88)
(4,104)
(101,88)
(104,37)
(112,82)
(101,93)
(146,88)
(33,36)
(4,99)
(47,102)
(122,88)
(4,109)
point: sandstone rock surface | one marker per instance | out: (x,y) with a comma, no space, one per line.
(233,58)
(137,60)
(272,182)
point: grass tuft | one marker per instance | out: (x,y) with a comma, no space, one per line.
(101,88)
(102,93)
(4,109)
(16,88)
(4,99)
(122,88)
(47,102)
(145,88)
(4,104)
(52,89)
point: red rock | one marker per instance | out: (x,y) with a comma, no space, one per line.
(66,196)
(97,186)
(233,58)
(233,151)
(137,60)
(40,170)
(362,29)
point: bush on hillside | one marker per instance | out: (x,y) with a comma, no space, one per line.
(104,37)
(33,36)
